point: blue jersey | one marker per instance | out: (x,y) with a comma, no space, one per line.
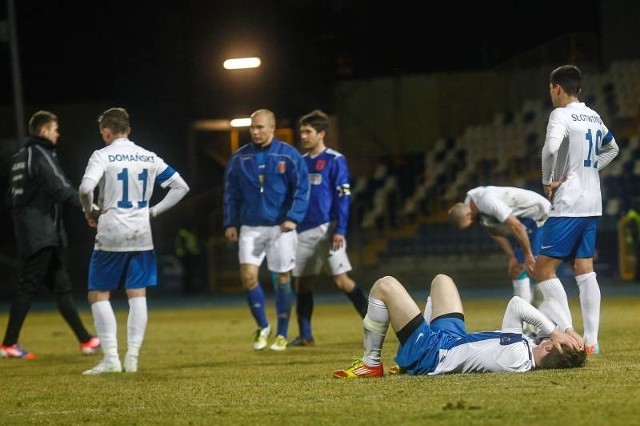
(330,191)
(265,186)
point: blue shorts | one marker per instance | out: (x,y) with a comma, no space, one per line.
(419,354)
(535,239)
(569,238)
(110,270)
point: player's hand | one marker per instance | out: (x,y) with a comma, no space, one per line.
(91,221)
(93,216)
(552,187)
(578,341)
(337,242)
(231,233)
(288,226)
(530,264)
(562,340)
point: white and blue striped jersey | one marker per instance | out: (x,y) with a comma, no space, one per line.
(575,137)
(126,175)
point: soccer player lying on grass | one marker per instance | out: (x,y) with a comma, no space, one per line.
(438,343)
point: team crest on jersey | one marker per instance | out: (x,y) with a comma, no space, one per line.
(320,164)
(315,178)
(509,338)
(282,166)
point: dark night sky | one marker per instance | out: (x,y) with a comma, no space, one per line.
(135,51)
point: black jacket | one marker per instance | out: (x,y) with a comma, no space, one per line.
(38,189)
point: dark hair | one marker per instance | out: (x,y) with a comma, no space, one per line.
(116,119)
(316,119)
(566,359)
(39,120)
(568,77)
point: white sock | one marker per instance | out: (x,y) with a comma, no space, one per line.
(104,320)
(522,288)
(590,298)
(555,303)
(428,308)
(375,324)
(136,324)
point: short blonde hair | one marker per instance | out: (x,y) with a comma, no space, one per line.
(457,213)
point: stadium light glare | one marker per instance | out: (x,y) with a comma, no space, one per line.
(241,63)
(241,122)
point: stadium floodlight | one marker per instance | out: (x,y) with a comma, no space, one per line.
(240,122)
(241,63)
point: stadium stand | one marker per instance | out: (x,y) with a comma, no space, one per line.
(407,204)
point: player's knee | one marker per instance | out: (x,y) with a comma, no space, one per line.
(444,292)
(441,280)
(343,282)
(249,280)
(384,285)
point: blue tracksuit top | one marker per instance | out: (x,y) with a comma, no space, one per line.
(265,187)
(330,196)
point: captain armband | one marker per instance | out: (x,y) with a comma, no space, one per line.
(343,190)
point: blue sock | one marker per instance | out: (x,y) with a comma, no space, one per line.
(256,301)
(284,298)
(304,310)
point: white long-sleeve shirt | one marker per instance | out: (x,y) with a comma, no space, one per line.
(497,203)
(126,174)
(576,147)
(506,350)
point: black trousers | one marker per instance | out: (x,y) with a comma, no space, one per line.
(45,268)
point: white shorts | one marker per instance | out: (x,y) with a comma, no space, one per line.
(314,252)
(256,242)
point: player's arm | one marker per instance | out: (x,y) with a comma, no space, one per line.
(519,311)
(342,201)
(178,188)
(608,151)
(299,185)
(342,194)
(85,195)
(556,131)
(549,156)
(519,231)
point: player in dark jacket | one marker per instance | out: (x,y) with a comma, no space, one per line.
(39,189)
